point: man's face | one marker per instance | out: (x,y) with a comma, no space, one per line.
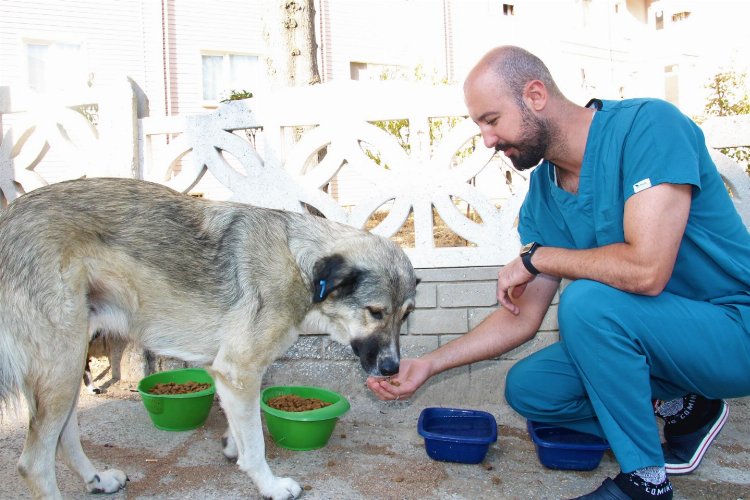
(506,126)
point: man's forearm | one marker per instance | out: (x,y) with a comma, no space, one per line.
(616,265)
(654,226)
(500,332)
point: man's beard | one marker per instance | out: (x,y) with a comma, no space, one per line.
(532,146)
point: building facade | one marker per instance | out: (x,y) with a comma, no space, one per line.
(187,55)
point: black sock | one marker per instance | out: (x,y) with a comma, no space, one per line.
(687,414)
(638,486)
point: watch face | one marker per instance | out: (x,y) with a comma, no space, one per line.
(526,248)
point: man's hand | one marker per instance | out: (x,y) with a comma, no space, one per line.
(412,374)
(511,283)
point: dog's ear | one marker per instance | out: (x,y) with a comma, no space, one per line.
(332,273)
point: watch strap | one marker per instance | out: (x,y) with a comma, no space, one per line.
(526,258)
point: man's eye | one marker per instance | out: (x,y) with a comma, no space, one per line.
(375,313)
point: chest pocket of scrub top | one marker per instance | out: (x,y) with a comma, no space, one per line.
(608,208)
(608,225)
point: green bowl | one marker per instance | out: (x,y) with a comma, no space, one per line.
(303,430)
(178,412)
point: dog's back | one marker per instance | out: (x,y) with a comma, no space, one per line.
(77,257)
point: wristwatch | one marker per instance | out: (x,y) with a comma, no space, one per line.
(527,252)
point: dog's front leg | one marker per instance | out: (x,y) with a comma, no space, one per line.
(240,402)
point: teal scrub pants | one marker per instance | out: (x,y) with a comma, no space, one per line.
(617,352)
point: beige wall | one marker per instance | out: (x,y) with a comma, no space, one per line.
(591,47)
(117,38)
(198,27)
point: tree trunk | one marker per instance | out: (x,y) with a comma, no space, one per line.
(292,48)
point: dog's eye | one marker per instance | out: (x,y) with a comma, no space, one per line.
(375,313)
(406,315)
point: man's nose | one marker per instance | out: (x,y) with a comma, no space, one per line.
(490,140)
(488,135)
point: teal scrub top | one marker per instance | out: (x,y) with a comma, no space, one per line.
(632,145)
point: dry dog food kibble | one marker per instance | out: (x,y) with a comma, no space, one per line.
(292,402)
(175,388)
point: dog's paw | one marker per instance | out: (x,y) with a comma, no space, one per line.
(282,488)
(229,447)
(107,481)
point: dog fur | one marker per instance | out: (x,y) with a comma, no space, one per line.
(223,285)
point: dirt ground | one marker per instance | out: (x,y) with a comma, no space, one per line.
(375,453)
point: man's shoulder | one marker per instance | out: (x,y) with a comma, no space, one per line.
(635,105)
(641,112)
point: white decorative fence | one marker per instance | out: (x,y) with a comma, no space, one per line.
(317,147)
(343,166)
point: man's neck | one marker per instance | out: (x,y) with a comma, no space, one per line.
(572,124)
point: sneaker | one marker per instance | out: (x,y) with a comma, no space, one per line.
(683,453)
(610,490)
(607,491)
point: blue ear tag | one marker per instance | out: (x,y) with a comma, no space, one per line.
(322,289)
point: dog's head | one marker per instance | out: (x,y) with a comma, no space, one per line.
(362,294)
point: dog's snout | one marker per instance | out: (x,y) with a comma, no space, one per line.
(388,367)
(376,356)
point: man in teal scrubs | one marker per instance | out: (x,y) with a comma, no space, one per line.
(627,204)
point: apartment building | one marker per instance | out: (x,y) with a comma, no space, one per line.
(188,54)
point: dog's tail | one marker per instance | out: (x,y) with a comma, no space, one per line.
(13,364)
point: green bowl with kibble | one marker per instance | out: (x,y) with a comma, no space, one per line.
(178,400)
(296,427)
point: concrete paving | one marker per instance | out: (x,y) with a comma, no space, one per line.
(375,453)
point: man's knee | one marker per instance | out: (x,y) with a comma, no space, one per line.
(544,387)
(518,388)
(531,387)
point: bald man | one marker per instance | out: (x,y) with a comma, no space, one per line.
(625,202)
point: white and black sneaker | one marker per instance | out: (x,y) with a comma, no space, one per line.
(684,452)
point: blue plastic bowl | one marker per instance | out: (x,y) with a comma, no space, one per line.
(566,449)
(457,435)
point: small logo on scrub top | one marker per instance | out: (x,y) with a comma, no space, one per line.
(641,185)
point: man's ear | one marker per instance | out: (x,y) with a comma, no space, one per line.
(535,95)
(332,273)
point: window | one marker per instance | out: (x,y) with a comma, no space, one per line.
(223,73)
(680,16)
(508,9)
(369,71)
(54,66)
